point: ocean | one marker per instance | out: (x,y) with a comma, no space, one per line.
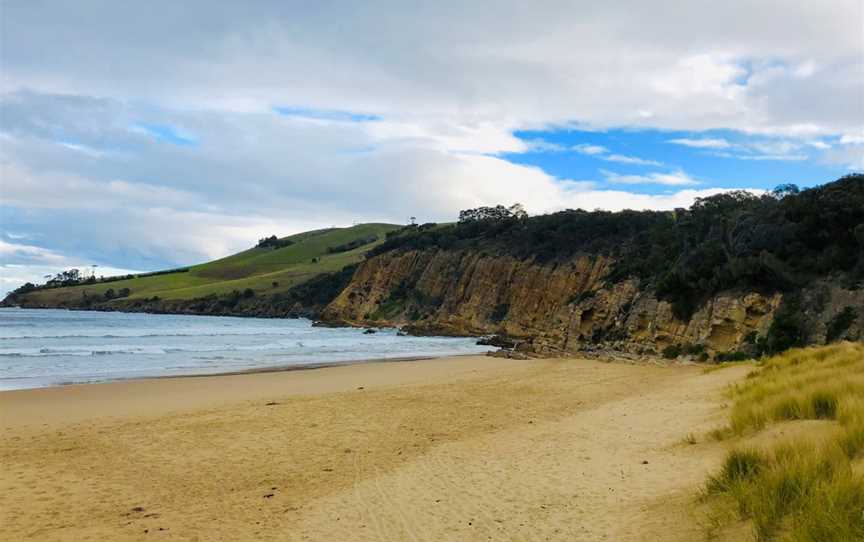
(48,347)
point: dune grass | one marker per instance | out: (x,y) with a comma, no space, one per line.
(809,489)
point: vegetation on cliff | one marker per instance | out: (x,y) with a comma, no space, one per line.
(775,242)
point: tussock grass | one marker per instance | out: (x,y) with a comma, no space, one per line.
(804,490)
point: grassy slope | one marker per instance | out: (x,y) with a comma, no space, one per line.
(811,487)
(255,268)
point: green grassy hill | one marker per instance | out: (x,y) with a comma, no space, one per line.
(267,271)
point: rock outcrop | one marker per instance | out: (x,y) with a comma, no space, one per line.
(559,307)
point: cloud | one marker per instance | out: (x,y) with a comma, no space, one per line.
(678,178)
(707,143)
(29,263)
(772,157)
(591,150)
(602,153)
(773,149)
(29,254)
(276,117)
(540,145)
(628,64)
(631,160)
(852,138)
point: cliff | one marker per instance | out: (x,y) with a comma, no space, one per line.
(567,306)
(735,275)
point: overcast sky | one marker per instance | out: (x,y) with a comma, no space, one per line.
(145,135)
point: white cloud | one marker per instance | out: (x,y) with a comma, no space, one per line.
(707,143)
(602,153)
(850,155)
(819,145)
(772,149)
(631,160)
(591,150)
(540,145)
(17,251)
(852,138)
(772,157)
(677,178)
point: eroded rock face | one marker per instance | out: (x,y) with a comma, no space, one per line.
(553,308)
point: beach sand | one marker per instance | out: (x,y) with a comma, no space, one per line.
(466,448)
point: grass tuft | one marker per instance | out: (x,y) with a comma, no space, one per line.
(806,490)
(739,466)
(824,405)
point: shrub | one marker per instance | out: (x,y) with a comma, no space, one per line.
(351,245)
(672,351)
(786,330)
(840,323)
(274,242)
(732,356)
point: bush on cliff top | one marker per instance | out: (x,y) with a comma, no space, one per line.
(773,242)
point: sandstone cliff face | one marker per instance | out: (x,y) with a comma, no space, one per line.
(553,308)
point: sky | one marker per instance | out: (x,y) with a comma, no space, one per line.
(145,135)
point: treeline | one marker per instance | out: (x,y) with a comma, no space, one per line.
(273,242)
(778,241)
(351,245)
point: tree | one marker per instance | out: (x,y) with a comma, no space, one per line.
(66,278)
(273,242)
(499,213)
(786,189)
(518,211)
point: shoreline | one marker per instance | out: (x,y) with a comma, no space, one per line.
(156,396)
(256,370)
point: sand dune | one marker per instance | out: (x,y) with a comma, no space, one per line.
(468,448)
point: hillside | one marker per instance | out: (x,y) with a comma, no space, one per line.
(264,275)
(734,276)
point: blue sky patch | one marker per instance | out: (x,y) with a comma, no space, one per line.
(326,114)
(645,159)
(168,134)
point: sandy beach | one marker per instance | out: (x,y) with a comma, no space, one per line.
(465,448)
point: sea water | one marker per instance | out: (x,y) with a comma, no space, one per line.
(48,347)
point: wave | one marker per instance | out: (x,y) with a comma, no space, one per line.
(109,351)
(282,347)
(148,335)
